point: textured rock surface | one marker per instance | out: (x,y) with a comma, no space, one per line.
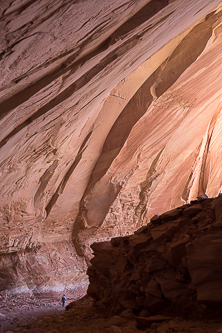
(110,112)
(175,264)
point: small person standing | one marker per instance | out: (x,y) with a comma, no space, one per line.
(63,300)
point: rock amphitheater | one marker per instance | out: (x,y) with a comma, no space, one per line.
(110,165)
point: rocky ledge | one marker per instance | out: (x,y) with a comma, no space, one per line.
(171,265)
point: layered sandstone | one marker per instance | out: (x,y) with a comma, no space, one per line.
(173,264)
(110,112)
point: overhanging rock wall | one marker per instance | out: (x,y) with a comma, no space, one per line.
(173,261)
(110,112)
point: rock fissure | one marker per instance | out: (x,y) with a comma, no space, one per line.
(145,186)
(204,172)
(67,175)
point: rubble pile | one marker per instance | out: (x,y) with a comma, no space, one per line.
(172,263)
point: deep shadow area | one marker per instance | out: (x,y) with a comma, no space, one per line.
(143,15)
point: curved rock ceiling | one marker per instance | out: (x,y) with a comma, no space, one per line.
(110,112)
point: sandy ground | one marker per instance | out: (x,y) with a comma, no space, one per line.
(48,315)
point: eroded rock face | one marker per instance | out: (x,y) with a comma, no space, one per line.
(109,114)
(171,263)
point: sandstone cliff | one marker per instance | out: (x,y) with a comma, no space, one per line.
(110,112)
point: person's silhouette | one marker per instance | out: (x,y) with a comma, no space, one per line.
(63,300)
